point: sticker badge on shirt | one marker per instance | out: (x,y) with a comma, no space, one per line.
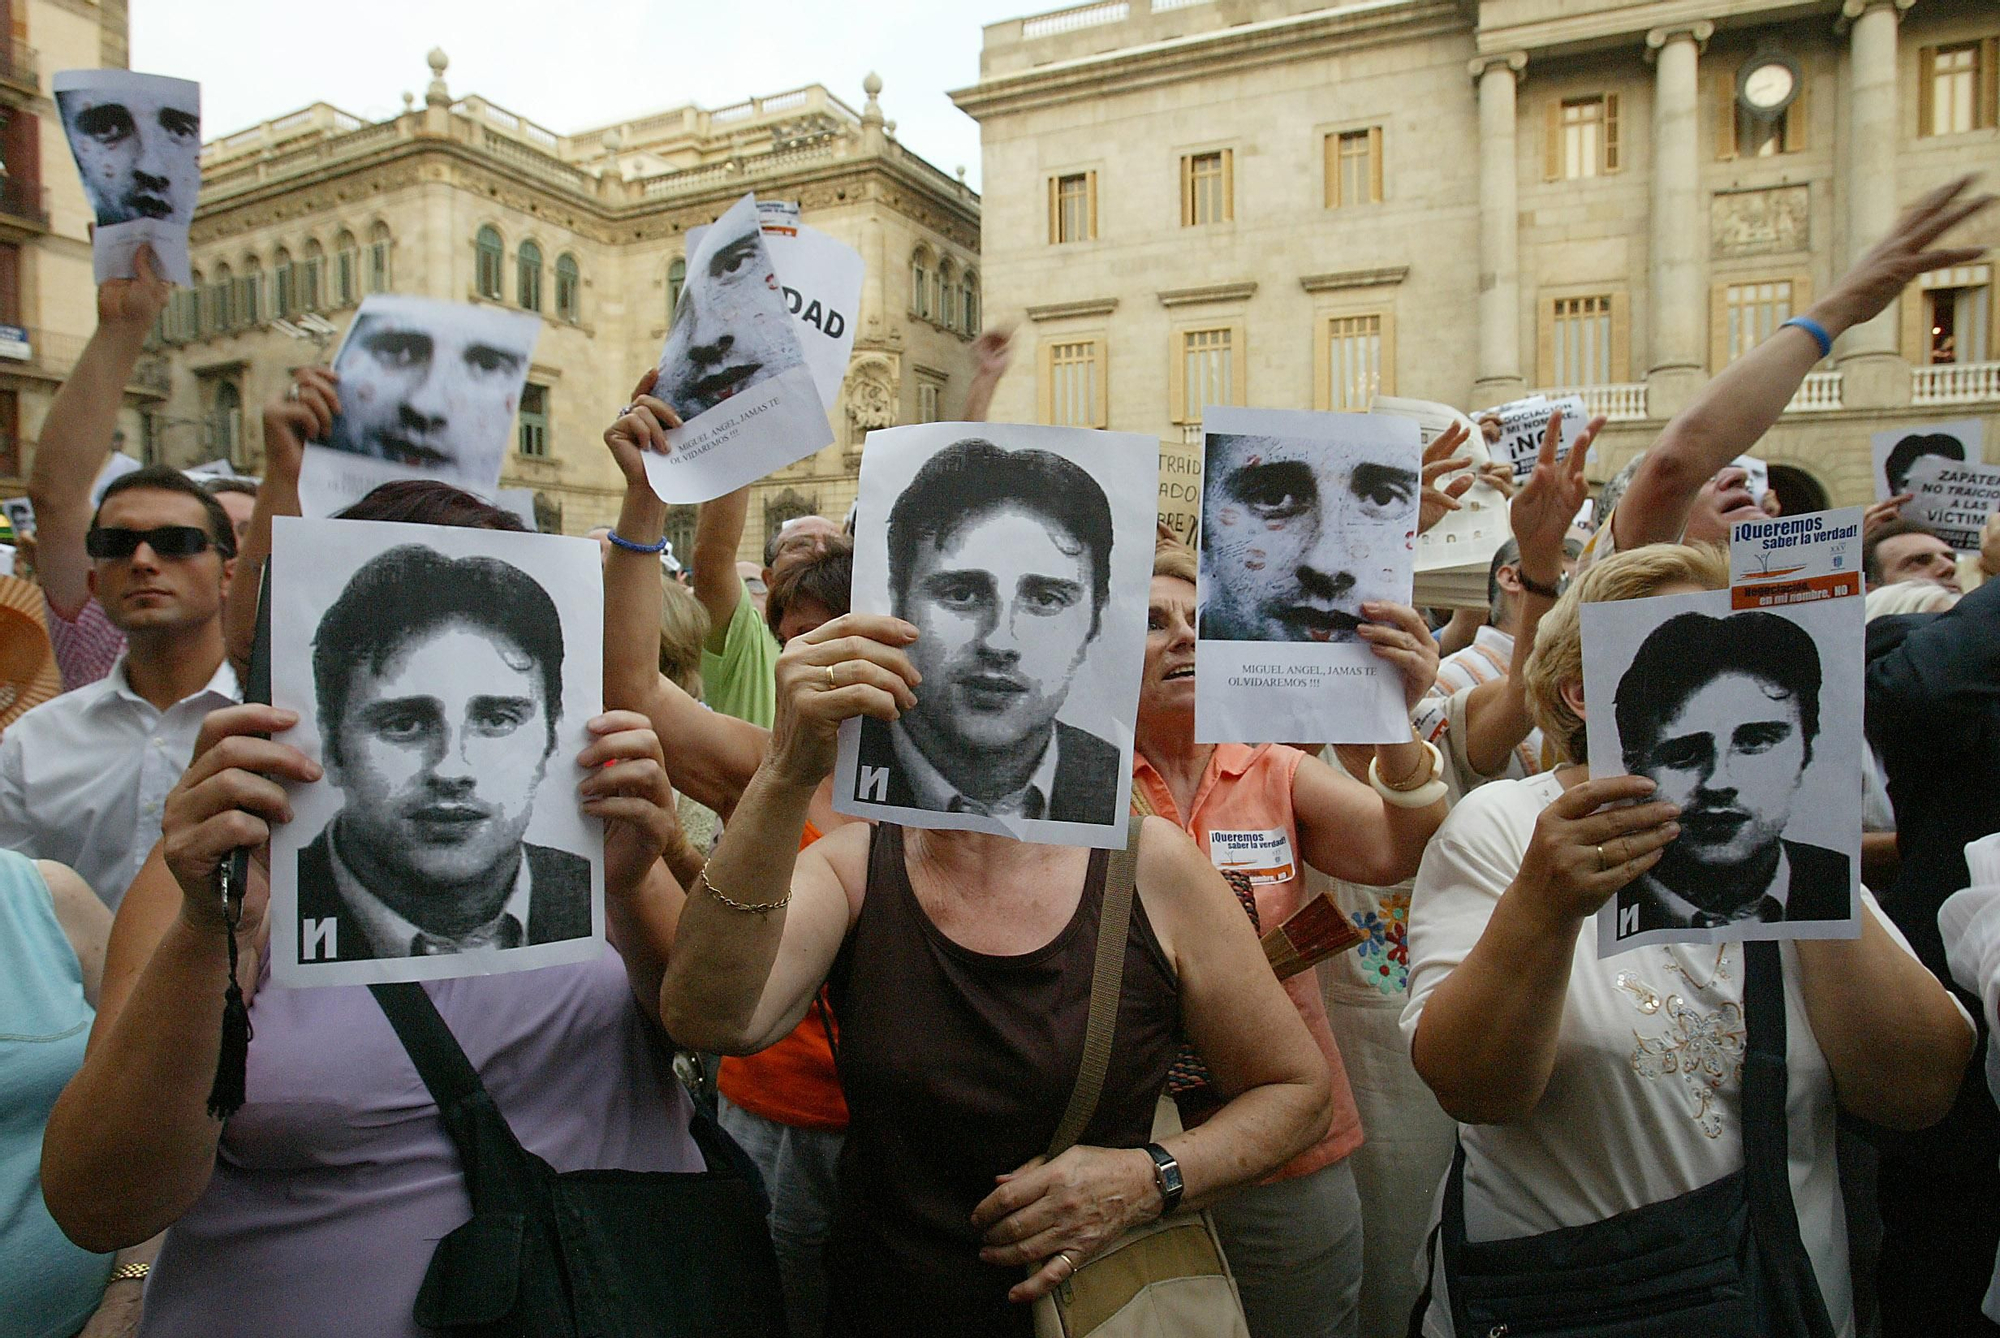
(1266,855)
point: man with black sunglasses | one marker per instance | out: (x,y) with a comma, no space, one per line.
(83,778)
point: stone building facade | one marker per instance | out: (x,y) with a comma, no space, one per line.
(1299,204)
(48,299)
(302,216)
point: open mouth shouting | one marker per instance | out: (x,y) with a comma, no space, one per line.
(1185,671)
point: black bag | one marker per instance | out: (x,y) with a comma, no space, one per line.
(1722,1261)
(585,1254)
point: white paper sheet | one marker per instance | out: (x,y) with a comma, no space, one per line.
(1896,451)
(136,140)
(1953,499)
(1304,517)
(452,772)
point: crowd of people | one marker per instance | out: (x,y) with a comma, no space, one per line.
(1471,1119)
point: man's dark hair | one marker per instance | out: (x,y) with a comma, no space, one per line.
(827,577)
(1910,449)
(1691,650)
(399,595)
(215,487)
(428,502)
(1871,561)
(970,478)
(160,478)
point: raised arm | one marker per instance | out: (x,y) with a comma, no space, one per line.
(1486,1041)
(991,353)
(718,533)
(305,412)
(764,922)
(76,436)
(1496,711)
(1745,399)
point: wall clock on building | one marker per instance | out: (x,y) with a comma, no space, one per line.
(1767,83)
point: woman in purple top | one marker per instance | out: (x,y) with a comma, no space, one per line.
(315,1210)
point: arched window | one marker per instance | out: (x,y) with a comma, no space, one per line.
(947,292)
(487,257)
(677,277)
(224,428)
(968,303)
(249,305)
(284,290)
(569,289)
(528,276)
(346,269)
(920,283)
(313,290)
(379,246)
(219,302)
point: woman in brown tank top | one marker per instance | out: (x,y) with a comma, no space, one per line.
(961,965)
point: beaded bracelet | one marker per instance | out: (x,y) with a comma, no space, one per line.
(621,541)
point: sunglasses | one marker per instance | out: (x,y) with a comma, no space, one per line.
(169,541)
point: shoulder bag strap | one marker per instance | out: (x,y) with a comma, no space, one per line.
(1795,1296)
(1107,978)
(497,1169)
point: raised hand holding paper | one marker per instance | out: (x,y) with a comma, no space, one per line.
(428,390)
(444,678)
(1023,556)
(733,369)
(1305,517)
(136,139)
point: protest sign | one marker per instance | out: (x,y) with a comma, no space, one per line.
(820,279)
(1523,424)
(1895,452)
(136,139)
(1954,499)
(1454,554)
(1795,559)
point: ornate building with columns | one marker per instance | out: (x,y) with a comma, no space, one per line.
(304,215)
(1296,204)
(48,300)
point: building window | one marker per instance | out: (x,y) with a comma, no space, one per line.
(284,285)
(947,300)
(379,243)
(1207,368)
(1956,315)
(930,402)
(1072,382)
(968,306)
(1580,341)
(528,276)
(223,430)
(249,305)
(1354,358)
(1073,208)
(920,283)
(10,434)
(679,532)
(1582,137)
(534,420)
(1958,87)
(313,289)
(1749,311)
(1206,188)
(569,289)
(346,270)
(488,259)
(1354,167)
(221,301)
(677,277)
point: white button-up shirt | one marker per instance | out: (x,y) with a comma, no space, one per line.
(84,777)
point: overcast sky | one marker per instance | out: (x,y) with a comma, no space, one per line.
(571,64)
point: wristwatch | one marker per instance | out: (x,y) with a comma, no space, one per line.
(1167,1175)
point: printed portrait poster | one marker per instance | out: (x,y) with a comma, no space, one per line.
(428,390)
(1024,558)
(734,369)
(1896,452)
(20,514)
(444,678)
(820,278)
(1750,720)
(1305,517)
(1953,499)
(136,139)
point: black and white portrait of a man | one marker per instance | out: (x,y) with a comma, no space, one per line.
(1014,563)
(136,139)
(430,390)
(1731,717)
(438,690)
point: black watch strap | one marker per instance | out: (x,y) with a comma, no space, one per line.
(1167,1175)
(1535,587)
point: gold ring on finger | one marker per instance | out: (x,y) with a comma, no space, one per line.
(830,684)
(1601,864)
(1064,1256)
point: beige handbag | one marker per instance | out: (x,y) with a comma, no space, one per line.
(1168,1278)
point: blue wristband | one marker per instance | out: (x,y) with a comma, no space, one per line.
(630,547)
(1816,330)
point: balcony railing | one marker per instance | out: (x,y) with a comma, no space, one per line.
(1620,402)
(1819,393)
(1955,383)
(23,199)
(1191,435)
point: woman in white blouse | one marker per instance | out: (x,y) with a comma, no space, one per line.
(1585,1088)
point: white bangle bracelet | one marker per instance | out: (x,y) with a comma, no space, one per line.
(1424,795)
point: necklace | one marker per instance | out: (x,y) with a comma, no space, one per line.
(1717,973)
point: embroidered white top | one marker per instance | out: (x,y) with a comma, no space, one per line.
(83,777)
(1644,1101)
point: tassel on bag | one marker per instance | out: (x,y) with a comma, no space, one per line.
(225,1095)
